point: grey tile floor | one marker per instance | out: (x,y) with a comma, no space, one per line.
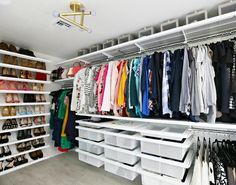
(64,169)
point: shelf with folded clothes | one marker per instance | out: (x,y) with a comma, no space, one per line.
(24,116)
(24,104)
(28,160)
(14,152)
(23,128)
(12,139)
(24,68)
(24,80)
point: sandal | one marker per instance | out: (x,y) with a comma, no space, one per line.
(10,165)
(1,152)
(16,98)
(23,122)
(35,87)
(9,98)
(43,120)
(27,145)
(5,111)
(12,85)
(3,85)
(12,111)
(6,124)
(14,123)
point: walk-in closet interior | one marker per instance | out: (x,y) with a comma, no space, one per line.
(118,92)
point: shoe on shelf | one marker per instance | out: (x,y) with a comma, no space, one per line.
(42,131)
(1,168)
(10,159)
(21,110)
(3,85)
(18,161)
(23,122)
(5,71)
(13,73)
(42,109)
(16,98)
(39,153)
(14,123)
(35,143)
(42,98)
(24,159)
(1,152)
(41,142)
(37,109)
(27,145)
(29,110)
(33,155)
(26,86)
(9,98)
(12,111)
(21,147)
(20,135)
(29,75)
(4,138)
(38,98)
(7,151)
(22,74)
(7,125)
(27,133)
(36,132)
(5,111)
(20,86)
(12,85)
(35,87)
(29,120)
(10,165)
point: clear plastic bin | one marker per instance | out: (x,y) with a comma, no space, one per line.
(127,143)
(110,139)
(167,167)
(121,157)
(94,136)
(90,160)
(167,149)
(90,148)
(122,172)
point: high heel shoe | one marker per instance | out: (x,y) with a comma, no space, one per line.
(16,98)
(9,98)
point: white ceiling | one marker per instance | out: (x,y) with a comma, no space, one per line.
(29,23)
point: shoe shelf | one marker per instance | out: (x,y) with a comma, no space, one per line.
(3,52)
(24,116)
(24,80)
(30,162)
(23,128)
(23,92)
(200,125)
(16,153)
(24,68)
(15,141)
(24,104)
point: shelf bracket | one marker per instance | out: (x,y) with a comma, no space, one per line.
(107,55)
(141,49)
(185,37)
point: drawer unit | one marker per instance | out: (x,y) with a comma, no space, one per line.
(125,38)
(120,171)
(109,43)
(171,24)
(90,148)
(146,31)
(167,167)
(90,160)
(227,7)
(196,16)
(83,52)
(94,136)
(121,156)
(166,149)
(95,48)
(127,143)
(110,139)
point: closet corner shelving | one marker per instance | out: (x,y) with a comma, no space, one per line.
(13,137)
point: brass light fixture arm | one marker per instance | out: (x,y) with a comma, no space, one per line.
(74,22)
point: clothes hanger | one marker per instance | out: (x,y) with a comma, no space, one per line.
(204,148)
(198,146)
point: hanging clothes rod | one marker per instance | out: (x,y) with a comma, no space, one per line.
(173,46)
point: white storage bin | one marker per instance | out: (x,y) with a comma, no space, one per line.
(166,149)
(127,143)
(196,16)
(94,136)
(122,172)
(90,160)
(146,31)
(110,139)
(91,148)
(227,7)
(171,24)
(121,157)
(167,167)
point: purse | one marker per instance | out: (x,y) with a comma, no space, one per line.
(73,70)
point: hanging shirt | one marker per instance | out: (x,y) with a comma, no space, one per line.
(184,104)
(165,84)
(197,172)
(113,81)
(121,91)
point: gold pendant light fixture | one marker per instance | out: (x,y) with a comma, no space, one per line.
(76,17)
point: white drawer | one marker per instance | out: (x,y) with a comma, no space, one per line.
(127,143)
(110,139)
(90,160)
(94,136)
(91,148)
(122,172)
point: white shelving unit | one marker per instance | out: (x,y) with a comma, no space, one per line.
(127,150)
(47,150)
(65,80)
(202,29)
